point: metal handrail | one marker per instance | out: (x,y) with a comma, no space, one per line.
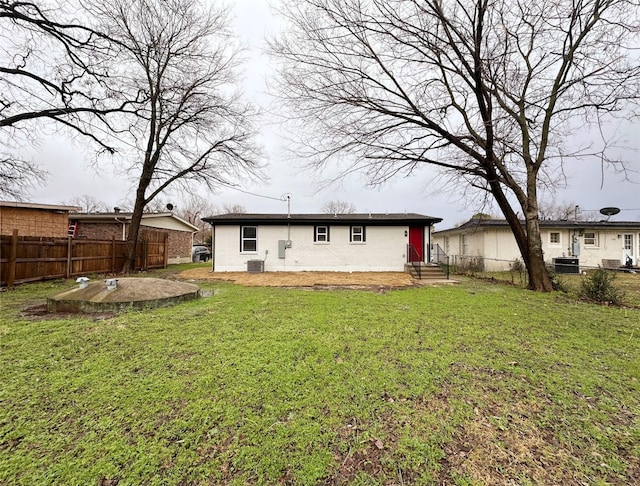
(413,252)
(440,257)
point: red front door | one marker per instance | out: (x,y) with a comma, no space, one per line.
(416,240)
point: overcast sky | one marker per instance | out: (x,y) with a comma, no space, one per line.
(71,174)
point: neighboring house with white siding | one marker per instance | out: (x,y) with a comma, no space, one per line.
(319,242)
(593,243)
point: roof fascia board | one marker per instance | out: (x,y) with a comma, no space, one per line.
(339,220)
(24,205)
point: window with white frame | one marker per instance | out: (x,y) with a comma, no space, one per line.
(446,245)
(590,238)
(463,244)
(321,234)
(248,239)
(357,234)
(554,238)
(628,243)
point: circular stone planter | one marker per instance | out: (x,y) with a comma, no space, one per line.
(130,293)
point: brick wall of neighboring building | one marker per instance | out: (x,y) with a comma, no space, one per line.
(99,231)
(179,245)
(179,241)
(34,222)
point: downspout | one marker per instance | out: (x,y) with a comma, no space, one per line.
(213,248)
(123,228)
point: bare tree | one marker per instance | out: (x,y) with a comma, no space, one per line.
(234,209)
(17,175)
(50,72)
(338,207)
(158,206)
(88,204)
(193,128)
(488,91)
(192,209)
(566,211)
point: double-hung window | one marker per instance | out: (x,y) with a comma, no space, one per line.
(248,239)
(590,238)
(357,234)
(554,238)
(321,234)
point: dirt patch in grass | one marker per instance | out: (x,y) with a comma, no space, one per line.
(365,455)
(38,311)
(365,280)
(502,442)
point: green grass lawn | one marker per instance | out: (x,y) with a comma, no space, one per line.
(627,283)
(477,383)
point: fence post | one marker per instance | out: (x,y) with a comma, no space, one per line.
(166,250)
(145,255)
(69,250)
(13,251)
(113,254)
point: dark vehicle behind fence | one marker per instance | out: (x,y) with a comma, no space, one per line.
(200,253)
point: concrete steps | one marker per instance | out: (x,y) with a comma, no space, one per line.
(428,271)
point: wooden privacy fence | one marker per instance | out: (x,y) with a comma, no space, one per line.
(33,258)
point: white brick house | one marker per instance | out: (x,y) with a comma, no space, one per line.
(319,242)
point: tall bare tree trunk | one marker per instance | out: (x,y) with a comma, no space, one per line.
(538,275)
(136,219)
(528,238)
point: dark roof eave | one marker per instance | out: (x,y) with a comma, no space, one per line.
(395,219)
(478,225)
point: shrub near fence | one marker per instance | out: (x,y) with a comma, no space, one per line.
(33,258)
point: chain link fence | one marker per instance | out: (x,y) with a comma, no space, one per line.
(514,271)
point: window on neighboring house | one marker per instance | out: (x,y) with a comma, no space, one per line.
(321,234)
(554,238)
(248,238)
(357,234)
(446,245)
(463,244)
(590,238)
(627,243)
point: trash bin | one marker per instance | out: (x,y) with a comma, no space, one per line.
(566,265)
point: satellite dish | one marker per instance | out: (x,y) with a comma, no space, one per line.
(609,211)
(170,207)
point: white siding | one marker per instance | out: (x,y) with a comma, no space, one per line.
(383,250)
(166,222)
(501,250)
(609,246)
(498,246)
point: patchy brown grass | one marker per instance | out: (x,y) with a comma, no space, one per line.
(508,436)
(366,280)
